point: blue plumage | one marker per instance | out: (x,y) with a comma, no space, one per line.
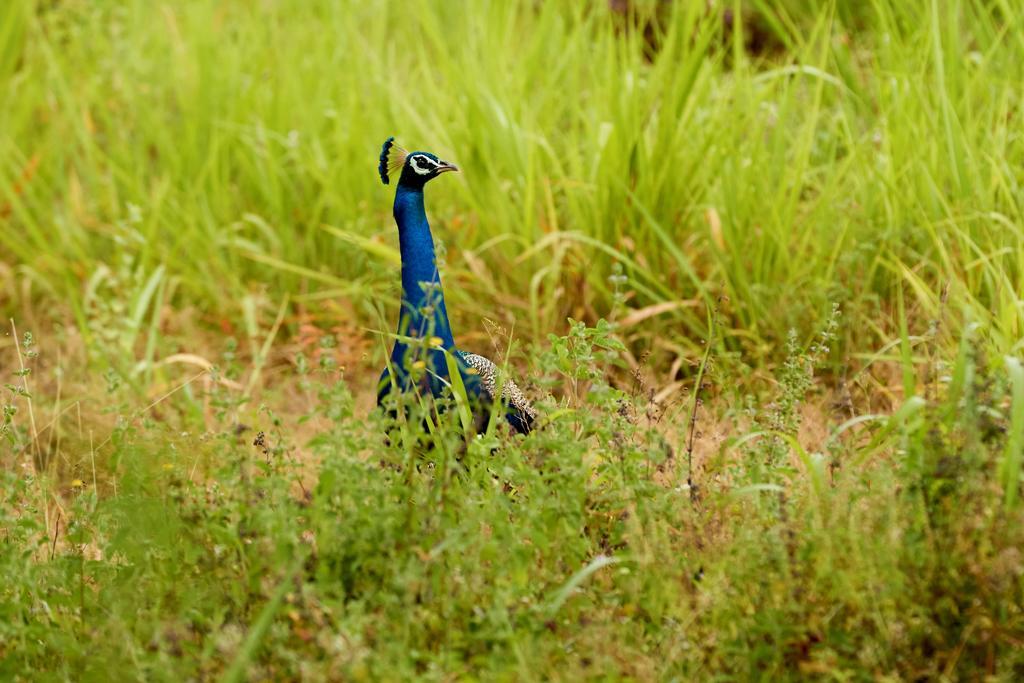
(419,357)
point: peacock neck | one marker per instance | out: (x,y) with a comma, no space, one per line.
(423,310)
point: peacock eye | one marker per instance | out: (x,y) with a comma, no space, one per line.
(422,165)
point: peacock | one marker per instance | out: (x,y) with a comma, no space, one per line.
(424,349)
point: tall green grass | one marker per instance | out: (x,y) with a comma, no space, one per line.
(214,152)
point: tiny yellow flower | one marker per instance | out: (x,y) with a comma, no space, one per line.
(77,483)
(436,341)
(168,466)
(419,365)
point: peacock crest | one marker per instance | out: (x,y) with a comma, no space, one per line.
(392,158)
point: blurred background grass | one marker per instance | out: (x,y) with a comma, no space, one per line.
(766,159)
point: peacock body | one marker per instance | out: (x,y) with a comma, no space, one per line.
(424,353)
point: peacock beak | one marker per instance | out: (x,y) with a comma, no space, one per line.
(445,167)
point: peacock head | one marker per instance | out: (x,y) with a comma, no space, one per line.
(417,168)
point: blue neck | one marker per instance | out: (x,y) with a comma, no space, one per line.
(423,311)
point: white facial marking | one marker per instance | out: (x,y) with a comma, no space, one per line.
(422,165)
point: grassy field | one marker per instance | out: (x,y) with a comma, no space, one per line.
(759,264)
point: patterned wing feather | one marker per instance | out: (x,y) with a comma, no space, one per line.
(511,394)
